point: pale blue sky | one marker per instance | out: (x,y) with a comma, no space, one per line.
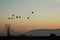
(27,3)
(15,5)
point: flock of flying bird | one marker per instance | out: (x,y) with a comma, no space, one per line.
(19,16)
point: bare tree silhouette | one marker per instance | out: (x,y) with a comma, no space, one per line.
(8,29)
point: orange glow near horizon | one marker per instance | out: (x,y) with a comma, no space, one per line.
(27,25)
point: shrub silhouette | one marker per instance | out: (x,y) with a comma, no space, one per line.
(52,35)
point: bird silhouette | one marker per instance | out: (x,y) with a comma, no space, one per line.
(12,14)
(9,18)
(19,16)
(28,17)
(16,16)
(32,12)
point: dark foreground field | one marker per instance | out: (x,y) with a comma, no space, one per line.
(23,37)
(30,38)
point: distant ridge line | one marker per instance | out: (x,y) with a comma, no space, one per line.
(44,29)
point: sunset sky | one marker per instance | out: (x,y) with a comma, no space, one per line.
(46,14)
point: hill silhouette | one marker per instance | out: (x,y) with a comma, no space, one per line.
(32,37)
(43,32)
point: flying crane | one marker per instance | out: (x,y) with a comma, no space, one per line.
(32,12)
(9,18)
(28,17)
(16,16)
(19,16)
(12,14)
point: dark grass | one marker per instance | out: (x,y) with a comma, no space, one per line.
(24,37)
